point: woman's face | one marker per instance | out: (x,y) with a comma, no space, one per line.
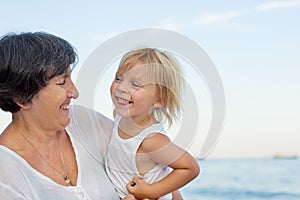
(50,107)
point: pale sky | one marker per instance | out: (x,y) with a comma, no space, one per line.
(254,45)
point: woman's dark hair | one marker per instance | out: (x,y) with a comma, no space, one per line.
(27,62)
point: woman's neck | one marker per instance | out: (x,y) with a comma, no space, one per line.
(36,132)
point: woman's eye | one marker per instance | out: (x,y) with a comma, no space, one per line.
(61,82)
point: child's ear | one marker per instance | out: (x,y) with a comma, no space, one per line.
(158,103)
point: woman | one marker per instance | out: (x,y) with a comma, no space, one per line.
(41,156)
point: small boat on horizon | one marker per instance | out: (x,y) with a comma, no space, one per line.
(282,156)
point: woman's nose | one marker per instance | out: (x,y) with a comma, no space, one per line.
(72,91)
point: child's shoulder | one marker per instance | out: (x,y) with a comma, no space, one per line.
(155,141)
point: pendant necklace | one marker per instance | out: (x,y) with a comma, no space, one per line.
(65,176)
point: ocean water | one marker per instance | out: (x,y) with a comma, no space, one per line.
(246,179)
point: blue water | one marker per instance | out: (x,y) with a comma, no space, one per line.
(246,179)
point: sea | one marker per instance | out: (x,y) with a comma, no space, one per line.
(246,179)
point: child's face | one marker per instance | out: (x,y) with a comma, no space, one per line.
(133,93)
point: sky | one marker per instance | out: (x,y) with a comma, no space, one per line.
(254,44)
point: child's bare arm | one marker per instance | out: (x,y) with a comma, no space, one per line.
(162,150)
(176,195)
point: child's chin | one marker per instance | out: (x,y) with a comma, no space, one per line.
(122,113)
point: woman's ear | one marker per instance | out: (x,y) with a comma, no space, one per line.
(24,106)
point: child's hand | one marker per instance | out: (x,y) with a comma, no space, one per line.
(129,197)
(139,188)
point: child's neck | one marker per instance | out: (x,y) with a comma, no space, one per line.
(129,127)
